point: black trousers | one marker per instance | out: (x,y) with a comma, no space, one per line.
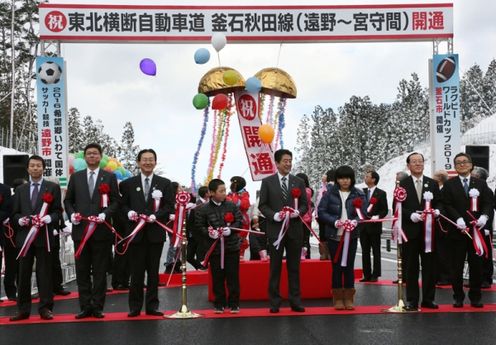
(293,257)
(371,240)
(91,274)
(194,251)
(461,249)
(412,251)
(487,263)
(443,258)
(121,269)
(44,277)
(57,277)
(144,257)
(227,277)
(11,277)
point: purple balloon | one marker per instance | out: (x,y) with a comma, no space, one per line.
(148,67)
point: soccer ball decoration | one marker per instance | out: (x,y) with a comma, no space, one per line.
(49,72)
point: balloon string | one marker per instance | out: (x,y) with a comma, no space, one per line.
(218,58)
(212,146)
(270,111)
(279,54)
(261,107)
(197,153)
(224,148)
(218,141)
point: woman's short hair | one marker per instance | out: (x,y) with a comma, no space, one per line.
(345,171)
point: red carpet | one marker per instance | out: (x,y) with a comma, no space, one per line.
(251,312)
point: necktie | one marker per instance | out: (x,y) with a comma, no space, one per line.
(147,188)
(91,183)
(369,194)
(284,188)
(34,195)
(418,188)
(465,185)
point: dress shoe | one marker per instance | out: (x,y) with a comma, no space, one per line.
(154,313)
(121,287)
(476,304)
(443,283)
(373,279)
(133,313)
(162,284)
(298,308)
(98,314)
(458,304)
(35,296)
(19,317)
(46,314)
(83,314)
(429,305)
(62,292)
(274,310)
(12,299)
(364,279)
(410,307)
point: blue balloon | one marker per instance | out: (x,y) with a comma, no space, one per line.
(79,164)
(202,56)
(148,67)
(253,85)
(118,174)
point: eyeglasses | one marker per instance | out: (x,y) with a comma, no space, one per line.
(416,162)
(463,162)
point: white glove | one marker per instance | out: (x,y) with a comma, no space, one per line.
(277,217)
(338,223)
(487,232)
(47,219)
(6,221)
(416,217)
(75,218)
(132,215)
(24,221)
(263,255)
(172,217)
(375,217)
(226,231)
(101,218)
(151,218)
(481,222)
(460,224)
(55,232)
(213,233)
(354,222)
(436,213)
(294,214)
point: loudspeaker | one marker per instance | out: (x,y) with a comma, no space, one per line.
(479,154)
(14,167)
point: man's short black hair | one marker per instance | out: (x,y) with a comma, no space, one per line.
(202,191)
(345,171)
(462,154)
(375,176)
(281,152)
(330,175)
(36,158)
(214,184)
(146,151)
(93,146)
(414,153)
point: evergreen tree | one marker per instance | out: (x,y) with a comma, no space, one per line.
(76,132)
(128,152)
(489,87)
(472,103)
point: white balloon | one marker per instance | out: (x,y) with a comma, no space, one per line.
(219,41)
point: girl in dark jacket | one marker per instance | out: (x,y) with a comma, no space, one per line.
(337,210)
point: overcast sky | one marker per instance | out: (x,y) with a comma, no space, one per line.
(104,80)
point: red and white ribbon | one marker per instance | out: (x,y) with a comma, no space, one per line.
(286,213)
(88,232)
(104,201)
(156,196)
(474,201)
(398,233)
(478,242)
(372,202)
(37,223)
(344,244)
(212,247)
(182,199)
(428,222)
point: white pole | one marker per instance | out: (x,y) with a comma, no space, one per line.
(12,95)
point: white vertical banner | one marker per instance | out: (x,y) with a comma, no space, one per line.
(52,117)
(260,157)
(445,111)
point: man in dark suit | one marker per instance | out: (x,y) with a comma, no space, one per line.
(196,247)
(5,211)
(413,225)
(36,203)
(370,234)
(152,196)
(275,193)
(92,192)
(457,201)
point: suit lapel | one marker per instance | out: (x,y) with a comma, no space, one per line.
(459,186)
(141,191)
(411,188)
(27,196)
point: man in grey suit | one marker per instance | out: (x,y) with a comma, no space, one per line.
(36,203)
(277,191)
(152,196)
(92,192)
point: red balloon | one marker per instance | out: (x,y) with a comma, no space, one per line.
(220,102)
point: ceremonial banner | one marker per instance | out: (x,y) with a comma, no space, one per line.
(52,116)
(260,157)
(445,109)
(275,24)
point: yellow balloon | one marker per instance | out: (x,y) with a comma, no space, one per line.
(230,77)
(266,133)
(112,165)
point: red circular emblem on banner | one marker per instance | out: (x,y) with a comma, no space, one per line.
(55,21)
(247,107)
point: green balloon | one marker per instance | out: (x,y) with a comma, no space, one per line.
(200,101)
(79,154)
(104,161)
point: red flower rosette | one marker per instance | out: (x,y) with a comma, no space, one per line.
(399,194)
(228,217)
(47,197)
(295,193)
(183,198)
(104,188)
(373,200)
(357,204)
